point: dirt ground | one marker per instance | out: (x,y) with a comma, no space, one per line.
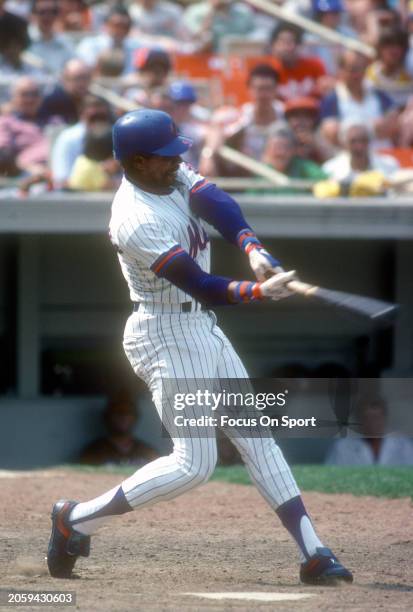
(217,538)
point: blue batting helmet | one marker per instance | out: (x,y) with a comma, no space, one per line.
(147,131)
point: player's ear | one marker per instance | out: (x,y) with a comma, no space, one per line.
(139,161)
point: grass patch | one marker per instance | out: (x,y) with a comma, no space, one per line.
(392,482)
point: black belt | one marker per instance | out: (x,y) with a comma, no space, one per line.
(185,307)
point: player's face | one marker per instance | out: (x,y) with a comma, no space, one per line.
(158,172)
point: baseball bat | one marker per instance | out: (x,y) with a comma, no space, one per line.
(313,27)
(371,308)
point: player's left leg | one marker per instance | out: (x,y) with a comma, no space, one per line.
(272,476)
(178,352)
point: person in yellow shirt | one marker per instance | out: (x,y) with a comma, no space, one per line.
(95,169)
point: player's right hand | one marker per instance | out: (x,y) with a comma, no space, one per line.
(276,287)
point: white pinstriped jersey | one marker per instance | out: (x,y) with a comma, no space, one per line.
(146,227)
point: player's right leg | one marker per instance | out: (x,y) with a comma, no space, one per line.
(169,349)
(273,478)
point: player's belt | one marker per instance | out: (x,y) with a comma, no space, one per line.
(160,308)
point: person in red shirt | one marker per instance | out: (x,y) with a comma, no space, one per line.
(299,76)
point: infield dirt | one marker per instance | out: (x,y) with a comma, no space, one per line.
(220,537)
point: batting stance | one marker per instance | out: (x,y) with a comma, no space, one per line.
(164,252)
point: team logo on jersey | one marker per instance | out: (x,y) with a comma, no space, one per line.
(198,238)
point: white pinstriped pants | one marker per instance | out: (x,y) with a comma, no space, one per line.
(192,346)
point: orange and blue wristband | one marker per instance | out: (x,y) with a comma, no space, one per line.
(245,291)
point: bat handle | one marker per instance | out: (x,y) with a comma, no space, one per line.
(302,288)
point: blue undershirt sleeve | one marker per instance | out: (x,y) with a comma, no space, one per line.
(182,271)
(218,209)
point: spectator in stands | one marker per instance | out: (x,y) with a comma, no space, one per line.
(14,39)
(183,97)
(66,99)
(354,97)
(21,8)
(355,16)
(24,147)
(99,11)
(248,133)
(74,16)
(374,445)
(381,17)
(357,157)
(156,18)
(281,154)
(52,49)
(25,97)
(210,21)
(302,117)
(119,446)
(96,169)
(328,13)
(110,64)
(70,143)
(299,75)
(159,99)
(406,125)
(152,69)
(389,73)
(10,23)
(115,36)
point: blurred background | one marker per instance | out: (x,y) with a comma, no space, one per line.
(318,93)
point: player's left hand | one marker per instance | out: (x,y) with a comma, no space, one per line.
(276,287)
(263,264)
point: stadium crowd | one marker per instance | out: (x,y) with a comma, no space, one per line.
(332,119)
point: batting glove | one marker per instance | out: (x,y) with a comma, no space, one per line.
(263,264)
(276,287)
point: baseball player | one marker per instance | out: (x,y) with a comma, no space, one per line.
(157,228)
